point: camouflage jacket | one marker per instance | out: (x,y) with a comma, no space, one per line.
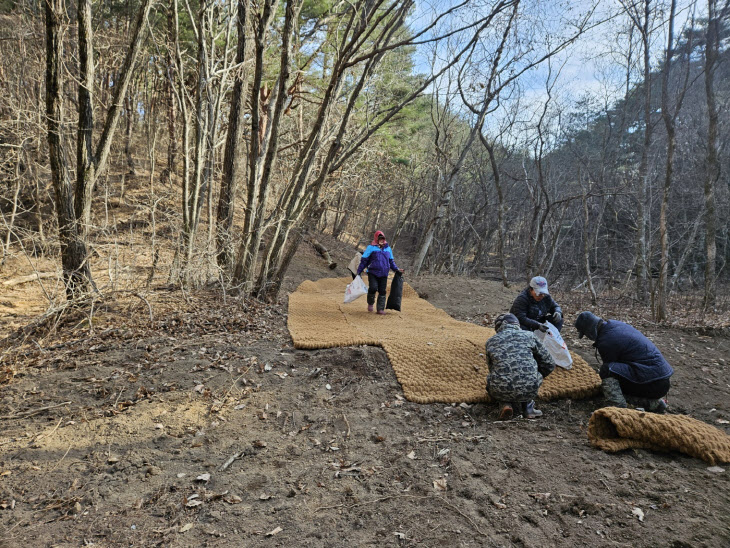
(517,364)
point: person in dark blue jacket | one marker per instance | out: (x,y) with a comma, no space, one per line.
(633,367)
(534,306)
(378,259)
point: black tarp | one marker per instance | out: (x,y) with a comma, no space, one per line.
(396,292)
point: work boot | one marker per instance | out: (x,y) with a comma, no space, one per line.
(529,411)
(613,393)
(370,308)
(505,413)
(658,406)
(381,304)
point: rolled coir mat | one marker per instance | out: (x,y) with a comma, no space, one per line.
(435,357)
(613,429)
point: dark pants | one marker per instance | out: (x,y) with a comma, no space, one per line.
(379,285)
(650,390)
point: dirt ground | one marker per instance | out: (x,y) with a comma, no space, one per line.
(203,426)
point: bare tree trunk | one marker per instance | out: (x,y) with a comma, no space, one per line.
(38,197)
(322,250)
(171,98)
(533,241)
(336,226)
(85,168)
(546,265)
(414,200)
(434,223)
(231,157)
(89,164)
(662,288)
(344,212)
(285,254)
(541,212)
(642,23)
(670,125)
(376,221)
(183,101)
(130,112)
(201,129)
(255,185)
(642,258)
(76,272)
(209,197)
(13,213)
(690,240)
(587,249)
(211,74)
(713,165)
(500,210)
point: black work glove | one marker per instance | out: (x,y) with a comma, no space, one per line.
(544,328)
(557,316)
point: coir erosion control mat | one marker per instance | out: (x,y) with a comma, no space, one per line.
(435,357)
(613,429)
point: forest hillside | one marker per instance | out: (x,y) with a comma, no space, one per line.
(476,155)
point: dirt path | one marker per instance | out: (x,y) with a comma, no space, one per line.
(206,428)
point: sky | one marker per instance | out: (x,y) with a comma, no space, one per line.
(593,65)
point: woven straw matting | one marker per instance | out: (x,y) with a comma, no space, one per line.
(613,429)
(435,357)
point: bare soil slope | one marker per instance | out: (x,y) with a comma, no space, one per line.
(204,427)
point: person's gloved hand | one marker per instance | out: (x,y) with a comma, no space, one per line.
(557,316)
(544,328)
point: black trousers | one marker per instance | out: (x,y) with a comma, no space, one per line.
(651,390)
(379,285)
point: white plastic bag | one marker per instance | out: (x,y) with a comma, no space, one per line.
(355,289)
(555,344)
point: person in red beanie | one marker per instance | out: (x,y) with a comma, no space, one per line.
(378,259)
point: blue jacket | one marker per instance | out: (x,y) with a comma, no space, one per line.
(626,352)
(379,262)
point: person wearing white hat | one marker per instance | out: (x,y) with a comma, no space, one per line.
(534,306)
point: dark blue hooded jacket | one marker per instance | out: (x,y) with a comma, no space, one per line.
(626,352)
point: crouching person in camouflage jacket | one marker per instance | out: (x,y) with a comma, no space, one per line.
(517,362)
